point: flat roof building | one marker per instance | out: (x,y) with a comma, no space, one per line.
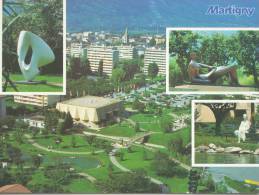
(127,52)
(109,56)
(92,110)
(157,56)
(37,100)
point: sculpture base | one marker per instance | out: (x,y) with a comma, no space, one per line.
(30,82)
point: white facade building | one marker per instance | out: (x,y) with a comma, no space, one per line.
(157,56)
(109,56)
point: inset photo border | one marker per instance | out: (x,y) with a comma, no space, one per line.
(225,131)
(212,61)
(36,58)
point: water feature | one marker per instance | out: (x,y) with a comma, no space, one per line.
(225,158)
(76,162)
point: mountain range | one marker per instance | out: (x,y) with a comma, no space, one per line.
(152,15)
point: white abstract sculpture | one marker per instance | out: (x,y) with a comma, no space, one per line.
(42,54)
(243,129)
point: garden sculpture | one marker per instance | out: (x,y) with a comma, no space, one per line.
(214,73)
(243,129)
(42,54)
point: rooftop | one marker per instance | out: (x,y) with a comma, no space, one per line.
(14,188)
(91,101)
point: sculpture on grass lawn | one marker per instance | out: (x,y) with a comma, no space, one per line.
(42,54)
(243,129)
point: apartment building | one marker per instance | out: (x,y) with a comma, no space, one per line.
(127,52)
(37,100)
(109,56)
(158,56)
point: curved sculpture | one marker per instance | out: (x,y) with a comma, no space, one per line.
(42,54)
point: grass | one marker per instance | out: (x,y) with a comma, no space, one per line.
(123,130)
(239,186)
(81,186)
(49,87)
(65,145)
(164,138)
(134,160)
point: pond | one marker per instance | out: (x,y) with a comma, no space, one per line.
(85,162)
(76,162)
(225,158)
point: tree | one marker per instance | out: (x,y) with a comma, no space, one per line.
(75,68)
(36,161)
(15,154)
(68,121)
(5,177)
(73,141)
(90,139)
(220,110)
(137,127)
(61,127)
(18,136)
(164,166)
(8,121)
(59,174)
(122,154)
(245,52)
(100,68)
(129,182)
(181,43)
(193,181)
(176,145)
(137,105)
(166,124)
(130,68)
(153,70)
(117,76)
(85,66)
(152,42)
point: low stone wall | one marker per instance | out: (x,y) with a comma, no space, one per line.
(212,148)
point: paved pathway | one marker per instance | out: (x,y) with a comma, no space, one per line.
(56,151)
(117,164)
(115,138)
(87,176)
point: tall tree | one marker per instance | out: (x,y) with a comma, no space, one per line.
(246,52)
(220,110)
(182,43)
(153,70)
(100,68)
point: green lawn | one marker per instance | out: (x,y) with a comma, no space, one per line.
(65,145)
(81,186)
(135,160)
(123,130)
(164,138)
(53,85)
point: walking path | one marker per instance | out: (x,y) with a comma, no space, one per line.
(56,151)
(115,138)
(122,168)
(87,176)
